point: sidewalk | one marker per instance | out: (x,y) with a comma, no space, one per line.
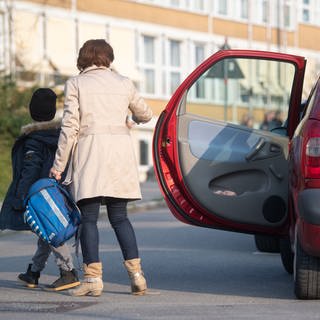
(151,197)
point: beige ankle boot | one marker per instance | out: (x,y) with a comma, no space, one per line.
(138,281)
(92,284)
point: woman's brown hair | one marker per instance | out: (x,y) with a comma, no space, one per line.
(95,52)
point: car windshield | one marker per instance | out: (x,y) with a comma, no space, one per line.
(251,92)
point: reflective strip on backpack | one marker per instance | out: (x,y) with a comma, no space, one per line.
(54,208)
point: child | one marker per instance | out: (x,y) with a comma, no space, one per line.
(32,157)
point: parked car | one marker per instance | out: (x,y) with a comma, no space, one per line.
(216,173)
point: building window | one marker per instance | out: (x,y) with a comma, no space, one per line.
(199,53)
(265,11)
(148,64)
(144,152)
(174,53)
(149,80)
(174,81)
(287,15)
(199,5)
(317,13)
(200,85)
(174,65)
(244,9)
(175,3)
(306,11)
(223,7)
(305,15)
(148,49)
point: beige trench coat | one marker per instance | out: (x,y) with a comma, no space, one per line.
(95,136)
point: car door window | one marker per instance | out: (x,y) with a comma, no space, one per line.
(251,92)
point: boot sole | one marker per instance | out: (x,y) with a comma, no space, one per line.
(140,293)
(65,287)
(137,292)
(95,293)
(28,285)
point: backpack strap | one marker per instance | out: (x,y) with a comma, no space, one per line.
(67,194)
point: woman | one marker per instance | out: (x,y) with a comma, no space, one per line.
(102,167)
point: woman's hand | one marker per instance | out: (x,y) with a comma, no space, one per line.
(130,123)
(55,174)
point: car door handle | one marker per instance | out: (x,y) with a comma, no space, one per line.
(256,148)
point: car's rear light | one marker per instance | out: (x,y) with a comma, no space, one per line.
(313,157)
(312,150)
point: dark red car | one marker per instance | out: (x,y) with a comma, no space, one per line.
(218,172)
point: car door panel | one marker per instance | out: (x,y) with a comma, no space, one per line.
(237,173)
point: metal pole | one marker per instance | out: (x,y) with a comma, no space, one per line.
(11,59)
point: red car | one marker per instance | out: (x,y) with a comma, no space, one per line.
(217,172)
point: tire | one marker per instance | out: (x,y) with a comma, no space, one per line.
(267,243)
(307,275)
(287,256)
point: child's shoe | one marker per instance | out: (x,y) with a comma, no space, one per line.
(67,280)
(30,278)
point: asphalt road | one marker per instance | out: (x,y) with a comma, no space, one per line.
(192,273)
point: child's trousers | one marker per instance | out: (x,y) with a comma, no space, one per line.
(62,257)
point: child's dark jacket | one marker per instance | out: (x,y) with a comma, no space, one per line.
(32,157)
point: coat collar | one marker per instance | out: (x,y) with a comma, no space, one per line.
(94,67)
(43,125)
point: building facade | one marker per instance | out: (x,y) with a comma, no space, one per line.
(157,43)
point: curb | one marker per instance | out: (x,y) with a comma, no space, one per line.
(153,204)
(6,232)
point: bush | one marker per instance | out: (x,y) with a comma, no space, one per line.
(14,103)
(5,160)
(14,113)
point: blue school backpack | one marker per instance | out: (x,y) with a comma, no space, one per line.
(51,212)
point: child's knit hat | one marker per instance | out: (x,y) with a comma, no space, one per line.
(43,105)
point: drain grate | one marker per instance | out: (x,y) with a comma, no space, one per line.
(43,306)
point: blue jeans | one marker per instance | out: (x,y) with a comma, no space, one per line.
(117,214)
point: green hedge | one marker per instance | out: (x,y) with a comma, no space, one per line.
(5,160)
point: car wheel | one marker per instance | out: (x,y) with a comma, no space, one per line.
(287,256)
(306,275)
(267,243)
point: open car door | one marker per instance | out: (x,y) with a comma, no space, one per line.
(216,172)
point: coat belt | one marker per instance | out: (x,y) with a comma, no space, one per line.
(113,130)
